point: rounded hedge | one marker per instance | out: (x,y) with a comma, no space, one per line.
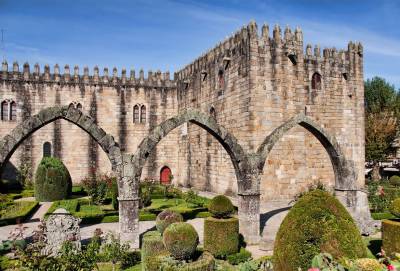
(395,180)
(395,207)
(52,180)
(205,262)
(221,206)
(152,247)
(166,218)
(181,240)
(221,236)
(317,223)
(367,264)
(390,236)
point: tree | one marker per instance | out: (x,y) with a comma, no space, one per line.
(382,112)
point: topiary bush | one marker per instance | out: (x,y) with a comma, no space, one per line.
(205,262)
(367,264)
(221,236)
(166,218)
(221,207)
(391,230)
(181,240)
(114,194)
(317,223)
(152,247)
(395,180)
(395,208)
(52,180)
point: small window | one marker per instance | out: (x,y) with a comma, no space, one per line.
(79,106)
(47,149)
(212,112)
(316,81)
(143,114)
(136,114)
(13,111)
(4,110)
(221,80)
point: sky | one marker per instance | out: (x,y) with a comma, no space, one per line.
(169,34)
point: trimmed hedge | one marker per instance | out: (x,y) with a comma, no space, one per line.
(52,180)
(221,206)
(367,264)
(395,207)
(181,240)
(221,236)
(391,236)
(205,262)
(18,212)
(152,247)
(395,180)
(240,257)
(380,216)
(317,223)
(166,218)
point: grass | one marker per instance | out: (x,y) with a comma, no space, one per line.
(380,216)
(18,212)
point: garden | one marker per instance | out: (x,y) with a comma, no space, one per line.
(317,234)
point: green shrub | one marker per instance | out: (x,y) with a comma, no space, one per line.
(221,236)
(166,218)
(152,247)
(146,216)
(221,206)
(18,212)
(380,216)
(114,195)
(395,180)
(240,257)
(193,198)
(203,214)
(395,207)
(205,262)
(52,180)
(71,205)
(367,264)
(317,223)
(181,240)
(391,236)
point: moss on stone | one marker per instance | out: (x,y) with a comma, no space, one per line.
(52,180)
(181,240)
(317,223)
(221,207)
(221,236)
(391,236)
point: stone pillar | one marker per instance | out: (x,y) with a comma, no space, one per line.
(356,203)
(249,217)
(129,221)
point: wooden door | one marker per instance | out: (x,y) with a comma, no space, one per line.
(165,176)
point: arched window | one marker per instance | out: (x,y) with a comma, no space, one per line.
(4,110)
(143,114)
(46,149)
(79,106)
(212,112)
(221,80)
(13,111)
(316,81)
(136,114)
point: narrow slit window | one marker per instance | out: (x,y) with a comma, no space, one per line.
(136,114)
(13,111)
(143,114)
(4,110)
(47,149)
(316,81)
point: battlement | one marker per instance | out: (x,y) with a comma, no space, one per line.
(153,80)
(290,44)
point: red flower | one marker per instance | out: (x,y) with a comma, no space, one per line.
(390,267)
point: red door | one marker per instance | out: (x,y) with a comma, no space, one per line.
(165,175)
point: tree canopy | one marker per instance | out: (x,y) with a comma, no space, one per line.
(382,116)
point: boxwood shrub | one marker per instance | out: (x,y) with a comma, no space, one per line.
(166,218)
(317,223)
(391,236)
(395,180)
(221,206)
(205,262)
(181,240)
(152,247)
(18,212)
(221,236)
(52,180)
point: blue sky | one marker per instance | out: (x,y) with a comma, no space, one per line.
(168,34)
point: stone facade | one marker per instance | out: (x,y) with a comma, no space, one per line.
(259,117)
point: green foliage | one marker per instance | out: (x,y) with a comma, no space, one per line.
(380,216)
(24,176)
(152,247)
(193,199)
(325,262)
(382,107)
(17,212)
(70,205)
(221,206)
(114,195)
(391,236)
(205,262)
(395,208)
(98,186)
(52,180)
(112,250)
(395,180)
(181,240)
(367,264)
(377,198)
(317,223)
(221,236)
(166,218)
(242,256)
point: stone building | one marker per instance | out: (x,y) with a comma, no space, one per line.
(282,100)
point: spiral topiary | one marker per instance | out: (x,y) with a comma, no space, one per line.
(221,207)
(52,180)
(166,218)
(317,223)
(181,240)
(395,180)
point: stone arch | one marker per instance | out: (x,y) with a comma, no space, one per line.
(343,169)
(10,142)
(208,123)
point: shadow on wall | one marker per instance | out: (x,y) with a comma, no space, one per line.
(268,215)
(10,176)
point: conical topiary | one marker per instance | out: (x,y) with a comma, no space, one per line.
(52,180)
